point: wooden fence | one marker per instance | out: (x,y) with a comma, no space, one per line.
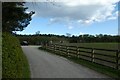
(107,57)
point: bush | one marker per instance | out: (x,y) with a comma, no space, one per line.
(14,62)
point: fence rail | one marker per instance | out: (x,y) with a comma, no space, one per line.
(106,57)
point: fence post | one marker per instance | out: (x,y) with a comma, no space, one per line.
(67,51)
(45,46)
(54,48)
(92,55)
(51,47)
(117,59)
(78,52)
(59,50)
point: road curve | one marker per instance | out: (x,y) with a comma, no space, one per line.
(46,65)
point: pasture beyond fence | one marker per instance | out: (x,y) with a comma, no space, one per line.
(106,57)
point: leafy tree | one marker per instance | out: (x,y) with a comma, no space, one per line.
(14,16)
(68,34)
(37,33)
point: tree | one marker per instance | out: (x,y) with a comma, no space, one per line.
(14,16)
(68,34)
(37,33)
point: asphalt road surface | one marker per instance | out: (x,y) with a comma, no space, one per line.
(47,65)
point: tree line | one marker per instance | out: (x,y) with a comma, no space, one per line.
(94,38)
(38,39)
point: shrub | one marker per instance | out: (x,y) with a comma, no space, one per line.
(14,62)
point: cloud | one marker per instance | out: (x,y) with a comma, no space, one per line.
(80,11)
(81,33)
(70,27)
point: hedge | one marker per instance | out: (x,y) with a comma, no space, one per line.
(14,62)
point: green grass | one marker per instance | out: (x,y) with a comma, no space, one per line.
(95,45)
(0,54)
(14,62)
(97,67)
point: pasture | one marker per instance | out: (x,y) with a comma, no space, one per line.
(95,45)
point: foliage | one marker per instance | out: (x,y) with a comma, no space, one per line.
(86,38)
(0,55)
(94,38)
(39,39)
(14,16)
(14,62)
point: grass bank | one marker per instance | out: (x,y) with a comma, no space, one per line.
(14,62)
(0,54)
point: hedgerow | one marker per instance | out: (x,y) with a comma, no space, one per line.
(14,62)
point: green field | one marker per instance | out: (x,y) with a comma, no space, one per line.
(95,45)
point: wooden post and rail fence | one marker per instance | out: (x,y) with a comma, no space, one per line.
(106,57)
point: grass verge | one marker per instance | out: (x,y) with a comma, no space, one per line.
(97,67)
(0,55)
(14,62)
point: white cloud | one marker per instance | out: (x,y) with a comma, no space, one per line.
(80,11)
(81,33)
(70,27)
(112,18)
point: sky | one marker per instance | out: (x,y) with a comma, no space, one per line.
(76,17)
